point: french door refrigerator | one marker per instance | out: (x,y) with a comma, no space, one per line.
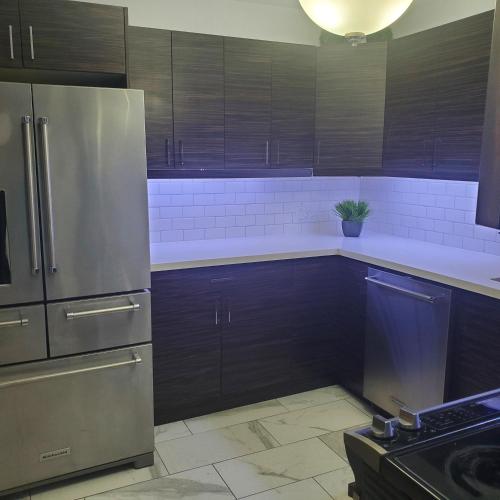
(75,325)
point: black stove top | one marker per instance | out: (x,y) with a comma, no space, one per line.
(464,468)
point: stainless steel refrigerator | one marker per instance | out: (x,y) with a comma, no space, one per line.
(75,325)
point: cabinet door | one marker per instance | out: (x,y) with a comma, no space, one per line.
(314,347)
(475,349)
(257,335)
(150,69)
(293,105)
(198,100)
(350,100)
(410,106)
(247,67)
(74,36)
(10,35)
(186,344)
(464,55)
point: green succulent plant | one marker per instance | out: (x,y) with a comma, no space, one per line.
(350,210)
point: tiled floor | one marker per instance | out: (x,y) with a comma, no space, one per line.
(289,448)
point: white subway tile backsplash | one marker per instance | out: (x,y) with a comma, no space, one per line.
(441,212)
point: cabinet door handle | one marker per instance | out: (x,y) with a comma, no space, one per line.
(318,152)
(167,151)
(216,314)
(11,41)
(18,322)
(31,182)
(229,316)
(32,45)
(181,153)
(44,121)
(267,153)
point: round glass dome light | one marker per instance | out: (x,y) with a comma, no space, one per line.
(354,18)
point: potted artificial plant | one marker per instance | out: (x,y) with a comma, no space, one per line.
(353,213)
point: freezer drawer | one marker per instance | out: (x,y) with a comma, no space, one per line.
(98,324)
(22,334)
(67,415)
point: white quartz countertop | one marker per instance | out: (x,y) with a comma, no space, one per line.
(460,268)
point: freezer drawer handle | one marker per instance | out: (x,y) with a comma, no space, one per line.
(17,322)
(96,312)
(44,121)
(405,291)
(31,181)
(41,378)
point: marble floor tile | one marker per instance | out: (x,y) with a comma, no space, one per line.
(335,441)
(277,467)
(197,484)
(174,430)
(100,482)
(302,490)
(337,482)
(235,416)
(314,397)
(314,421)
(206,448)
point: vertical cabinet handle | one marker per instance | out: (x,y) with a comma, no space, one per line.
(216,313)
(32,45)
(11,42)
(318,152)
(267,152)
(31,192)
(167,151)
(181,153)
(44,121)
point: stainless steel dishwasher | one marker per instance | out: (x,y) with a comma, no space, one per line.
(406,342)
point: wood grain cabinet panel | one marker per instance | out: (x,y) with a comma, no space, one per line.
(474,345)
(248,81)
(350,103)
(186,345)
(293,105)
(150,69)
(198,100)
(73,36)
(10,35)
(436,95)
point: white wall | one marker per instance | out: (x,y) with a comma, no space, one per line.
(275,20)
(425,14)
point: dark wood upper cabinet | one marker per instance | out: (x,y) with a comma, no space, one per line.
(73,36)
(150,69)
(198,100)
(436,94)
(248,80)
(350,98)
(10,35)
(293,105)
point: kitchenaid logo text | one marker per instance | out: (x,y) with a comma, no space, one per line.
(51,455)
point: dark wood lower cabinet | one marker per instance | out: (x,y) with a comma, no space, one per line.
(234,335)
(474,345)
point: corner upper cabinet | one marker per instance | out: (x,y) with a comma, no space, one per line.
(248,80)
(10,35)
(436,94)
(73,36)
(293,105)
(198,100)
(150,69)
(350,103)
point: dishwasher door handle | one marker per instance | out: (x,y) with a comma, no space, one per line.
(405,291)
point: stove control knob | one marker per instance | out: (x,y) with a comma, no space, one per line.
(409,420)
(382,428)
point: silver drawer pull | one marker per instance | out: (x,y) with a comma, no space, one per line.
(18,322)
(40,378)
(405,291)
(11,42)
(98,312)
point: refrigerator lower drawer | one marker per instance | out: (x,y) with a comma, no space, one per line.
(22,334)
(96,324)
(68,415)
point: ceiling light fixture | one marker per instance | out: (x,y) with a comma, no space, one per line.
(354,19)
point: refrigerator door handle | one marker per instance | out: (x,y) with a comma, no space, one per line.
(30,177)
(44,121)
(41,378)
(18,322)
(97,312)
